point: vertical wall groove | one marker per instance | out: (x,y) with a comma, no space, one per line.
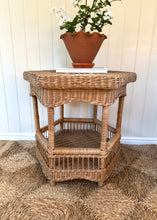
(4,92)
(123,38)
(27,64)
(14,65)
(37,13)
(108,47)
(134,69)
(52,22)
(155,122)
(149,62)
(155,119)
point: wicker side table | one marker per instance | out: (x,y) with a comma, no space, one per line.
(81,147)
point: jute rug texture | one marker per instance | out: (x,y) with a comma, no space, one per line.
(129,194)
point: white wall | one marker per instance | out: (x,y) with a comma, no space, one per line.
(29,40)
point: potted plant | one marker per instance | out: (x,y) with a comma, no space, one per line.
(83,36)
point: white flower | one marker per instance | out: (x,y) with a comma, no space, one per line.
(63,20)
(105,17)
(92,14)
(58,12)
(75,2)
(62,9)
(108,14)
(53,10)
(68,19)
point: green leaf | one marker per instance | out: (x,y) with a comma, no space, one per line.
(83,6)
(87,8)
(92,29)
(108,2)
(109,22)
(93,19)
(100,5)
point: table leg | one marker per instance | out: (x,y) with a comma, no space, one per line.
(119,114)
(94,117)
(104,128)
(36,113)
(61,116)
(104,137)
(52,183)
(51,130)
(101,183)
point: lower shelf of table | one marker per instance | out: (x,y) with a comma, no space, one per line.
(77,139)
(67,165)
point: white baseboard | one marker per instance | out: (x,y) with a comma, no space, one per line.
(139,140)
(17,136)
(124,140)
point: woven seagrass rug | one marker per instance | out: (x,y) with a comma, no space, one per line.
(129,193)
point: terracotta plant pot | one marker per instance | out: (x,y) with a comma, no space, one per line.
(83,47)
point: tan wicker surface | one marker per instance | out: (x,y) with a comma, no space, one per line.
(81,147)
(52,80)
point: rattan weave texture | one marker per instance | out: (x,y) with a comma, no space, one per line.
(52,80)
(71,148)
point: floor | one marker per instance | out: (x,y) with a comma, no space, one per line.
(130,192)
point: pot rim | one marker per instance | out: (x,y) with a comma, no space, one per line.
(83,33)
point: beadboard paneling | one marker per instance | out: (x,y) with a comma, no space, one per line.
(142,65)
(9,70)
(129,53)
(3,104)
(19,54)
(30,40)
(149,117)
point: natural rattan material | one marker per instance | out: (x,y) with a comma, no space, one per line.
(52,80)
(81,148)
